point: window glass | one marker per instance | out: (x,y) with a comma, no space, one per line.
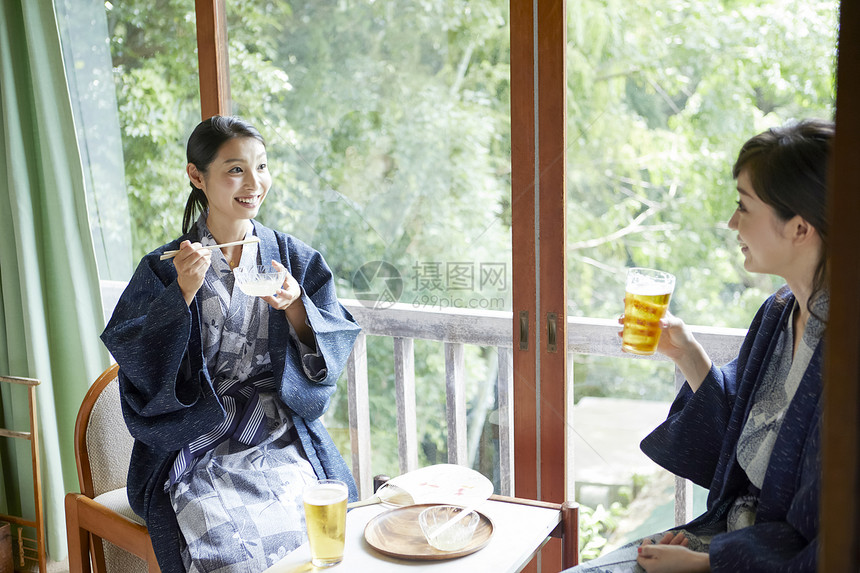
(661,94)
(132,71)
(388,131)
(153,48)
(86,53)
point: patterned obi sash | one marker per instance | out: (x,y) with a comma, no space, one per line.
(245,421)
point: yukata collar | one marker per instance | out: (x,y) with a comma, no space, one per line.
(268,243)
(220,265)
(268,246)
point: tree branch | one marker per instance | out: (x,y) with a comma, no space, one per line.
(628,230)
(635,225)
(462,67)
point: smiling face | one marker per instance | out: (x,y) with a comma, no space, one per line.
(235,183)
(765,239)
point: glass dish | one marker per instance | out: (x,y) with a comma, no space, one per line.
(260,280)
(452,538)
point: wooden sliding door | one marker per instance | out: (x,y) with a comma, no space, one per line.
(538,29)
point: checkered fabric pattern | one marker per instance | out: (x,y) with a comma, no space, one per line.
(240,508)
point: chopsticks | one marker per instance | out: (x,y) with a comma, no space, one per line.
(170,254)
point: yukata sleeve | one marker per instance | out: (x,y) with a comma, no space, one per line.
(167,397)
(311,358)
(309,380)
(689,443)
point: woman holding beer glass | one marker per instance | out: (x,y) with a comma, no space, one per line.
(223,391)
(749,431)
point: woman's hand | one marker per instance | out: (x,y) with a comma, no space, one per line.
(289,299)
(670,538)
(191,264)
(671,555)
(289,292)
(676,339)
(678,343)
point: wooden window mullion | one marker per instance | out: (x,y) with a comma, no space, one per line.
(213,61)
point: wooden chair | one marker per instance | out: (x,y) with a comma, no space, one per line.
(25,552)
(100,523)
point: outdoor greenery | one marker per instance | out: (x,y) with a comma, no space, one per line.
(662,95)
(595,526)
(388,129)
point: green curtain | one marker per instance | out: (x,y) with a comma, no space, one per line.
(50,308)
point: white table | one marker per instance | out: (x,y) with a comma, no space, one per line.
(519,531)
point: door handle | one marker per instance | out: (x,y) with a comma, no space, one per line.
(551,331)
(524,330)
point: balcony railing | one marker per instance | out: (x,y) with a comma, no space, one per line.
(455,328)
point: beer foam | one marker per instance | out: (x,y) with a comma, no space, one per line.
(325,495)
(649,288)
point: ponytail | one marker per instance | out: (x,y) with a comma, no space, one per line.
(197,203)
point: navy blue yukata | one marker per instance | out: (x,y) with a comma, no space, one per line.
(167,391)
(699,441)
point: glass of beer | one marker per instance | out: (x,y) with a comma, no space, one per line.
(645,303)
(325,515)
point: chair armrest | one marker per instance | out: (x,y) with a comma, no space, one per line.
(85,517)
(78,538)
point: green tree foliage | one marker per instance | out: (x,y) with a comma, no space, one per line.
(392,127)
(661,96)
(153,46)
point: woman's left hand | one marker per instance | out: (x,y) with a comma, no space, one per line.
(289,292)
(671,556)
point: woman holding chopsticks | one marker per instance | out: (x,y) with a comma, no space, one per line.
(222,391)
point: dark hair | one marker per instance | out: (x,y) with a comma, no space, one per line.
(203,145)
(787,167)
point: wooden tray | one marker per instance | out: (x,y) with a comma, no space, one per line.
(397,533)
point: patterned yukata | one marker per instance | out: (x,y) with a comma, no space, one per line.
(750,433)
(239,503)
(224,403)
(240,508)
